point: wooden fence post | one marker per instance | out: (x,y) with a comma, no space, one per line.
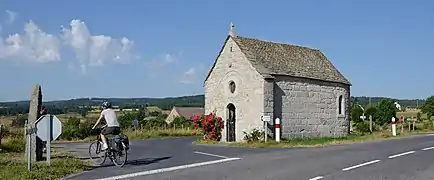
(1,133)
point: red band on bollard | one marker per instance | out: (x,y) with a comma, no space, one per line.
(393,122)
(277,125)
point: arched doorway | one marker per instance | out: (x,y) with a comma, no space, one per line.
(230,123)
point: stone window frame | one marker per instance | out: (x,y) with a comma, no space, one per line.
(230,87)
(231,75)
(340,109)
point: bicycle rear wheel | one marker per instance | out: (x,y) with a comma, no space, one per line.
(97,156)
(120,157)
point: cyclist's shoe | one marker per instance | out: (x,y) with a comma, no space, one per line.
(104,147)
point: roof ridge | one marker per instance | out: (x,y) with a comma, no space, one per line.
(281,43)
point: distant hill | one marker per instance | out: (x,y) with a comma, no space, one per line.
(73,105)
(407,103)
(164,103)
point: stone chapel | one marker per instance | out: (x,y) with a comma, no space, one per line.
(299,85)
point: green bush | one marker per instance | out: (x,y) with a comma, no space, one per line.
(181,122)
(12,132)
(386,110)
(74,129)
(363,127)
(371,111)
(153,122)
(13,144)
(254,136)
(356,112)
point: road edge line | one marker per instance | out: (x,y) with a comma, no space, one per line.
(401,154)
(209,154)
(360,165)
(156,171)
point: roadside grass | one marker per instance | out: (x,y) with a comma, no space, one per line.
(315,142)
(14,166)
(6,120)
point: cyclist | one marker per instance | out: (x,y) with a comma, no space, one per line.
(112,124)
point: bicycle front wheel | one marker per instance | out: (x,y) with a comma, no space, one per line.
(120,157)
(95,154)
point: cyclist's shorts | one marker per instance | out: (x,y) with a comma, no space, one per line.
(111,130)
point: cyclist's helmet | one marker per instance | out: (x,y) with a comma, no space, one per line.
(106,104)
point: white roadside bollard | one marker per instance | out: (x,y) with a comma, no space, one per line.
(277,125)
(393,126)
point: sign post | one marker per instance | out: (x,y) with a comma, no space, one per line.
(49,129)
(409,124)
(135,124)
(29,132)
(414,123)
(402,124)
(266,119)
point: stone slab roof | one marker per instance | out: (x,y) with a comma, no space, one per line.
(273,58)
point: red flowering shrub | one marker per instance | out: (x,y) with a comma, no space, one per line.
(211,126)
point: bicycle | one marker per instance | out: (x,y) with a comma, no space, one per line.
(116,148)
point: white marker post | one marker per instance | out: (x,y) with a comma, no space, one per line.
(277,125)
(393,126)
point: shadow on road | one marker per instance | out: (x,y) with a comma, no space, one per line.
(137,162)
(66,156)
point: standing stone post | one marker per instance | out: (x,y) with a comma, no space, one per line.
(35,146)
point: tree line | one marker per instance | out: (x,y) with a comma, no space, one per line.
(82,105)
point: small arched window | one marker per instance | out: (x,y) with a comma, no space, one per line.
(232,86)
(340,105)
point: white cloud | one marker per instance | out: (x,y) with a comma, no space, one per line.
(11,16)
(97,49)
(188,76)
(33,45)
(190,72)
(164,60)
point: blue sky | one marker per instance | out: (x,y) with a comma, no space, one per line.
(160,48)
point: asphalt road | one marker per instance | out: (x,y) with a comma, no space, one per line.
(399,159)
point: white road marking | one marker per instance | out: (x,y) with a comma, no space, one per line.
(155,171)
(360,165)
(428,148)
(208,154)
(316,178)
(430,135)
(402,154)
